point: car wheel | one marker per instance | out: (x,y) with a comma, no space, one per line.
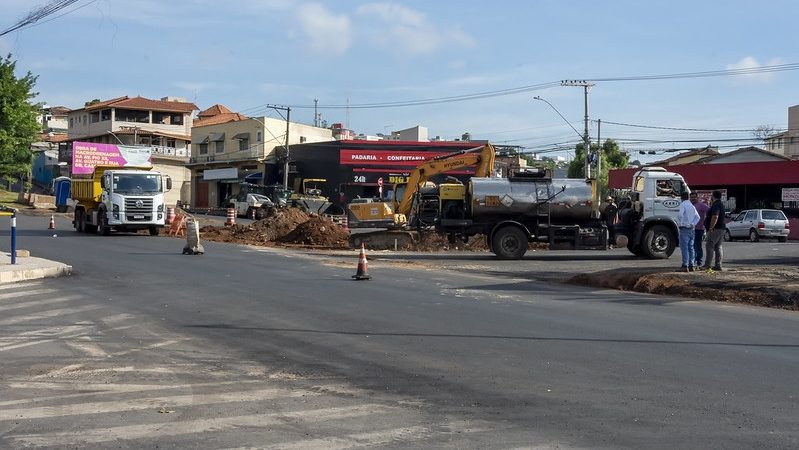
(753,236)
(782,239)
(727,236)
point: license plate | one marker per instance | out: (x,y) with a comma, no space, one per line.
(137,216)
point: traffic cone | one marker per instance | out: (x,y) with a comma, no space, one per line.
(52,223)
(363,266)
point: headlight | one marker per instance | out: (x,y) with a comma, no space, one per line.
(116,208)
(161,207)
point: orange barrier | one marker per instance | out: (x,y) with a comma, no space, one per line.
(231,217)
(178,226)
(52,223)
(170,214)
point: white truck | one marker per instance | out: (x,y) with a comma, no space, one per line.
(249,204)
(530,207)
(120,198)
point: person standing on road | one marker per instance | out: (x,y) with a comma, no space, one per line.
(716,228)
(688,219)
(699,231)
(611,216)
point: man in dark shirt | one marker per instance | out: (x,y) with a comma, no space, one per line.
(716,228)
(610,214)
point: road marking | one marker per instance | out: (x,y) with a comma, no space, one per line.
(90,348)
(174,401)
(177,428)
(404,435)
(36,303)
(21,286)
(25,293)
(100,389)
(69,332)
(49,314)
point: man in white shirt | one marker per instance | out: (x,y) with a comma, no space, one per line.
(687,220)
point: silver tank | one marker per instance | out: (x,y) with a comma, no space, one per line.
(566,200)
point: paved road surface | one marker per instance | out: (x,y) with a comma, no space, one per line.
(241,347)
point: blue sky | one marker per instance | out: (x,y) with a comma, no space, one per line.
(247,54)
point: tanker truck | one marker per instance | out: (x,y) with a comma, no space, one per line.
(533,207)
(120,198)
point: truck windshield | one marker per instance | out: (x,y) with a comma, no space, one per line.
(137,183)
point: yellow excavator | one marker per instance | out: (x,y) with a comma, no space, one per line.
(415,203)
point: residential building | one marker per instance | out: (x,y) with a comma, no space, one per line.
(787,142)
(228,146)
(54,119)
(688,156)
(164,125)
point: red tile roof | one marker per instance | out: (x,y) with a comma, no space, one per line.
(141,103)
(219,118)
(214,111)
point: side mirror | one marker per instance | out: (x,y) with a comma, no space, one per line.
(168,183)
(102,182)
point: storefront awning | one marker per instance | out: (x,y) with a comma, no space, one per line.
(242,136)
(217,137)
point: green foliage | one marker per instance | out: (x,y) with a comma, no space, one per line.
(19,124)
(612,158)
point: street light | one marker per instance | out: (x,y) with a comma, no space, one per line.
(561,115)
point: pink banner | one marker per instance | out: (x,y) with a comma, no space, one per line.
(87,155)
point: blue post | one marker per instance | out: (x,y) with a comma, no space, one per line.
(14,237)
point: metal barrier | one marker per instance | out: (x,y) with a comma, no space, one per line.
(11,212)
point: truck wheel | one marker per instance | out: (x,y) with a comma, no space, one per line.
(79,224)
(251,213)
(153,231)
(635,249)
(509,243)
(659,242)
(260,213)
(102,224)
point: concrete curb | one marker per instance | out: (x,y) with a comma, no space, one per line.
(28,268)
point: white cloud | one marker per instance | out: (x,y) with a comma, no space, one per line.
(409,30)
(750,62)
(328,32)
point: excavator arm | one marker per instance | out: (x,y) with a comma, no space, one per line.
(480,157)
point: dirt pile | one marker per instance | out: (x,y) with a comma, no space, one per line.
(282,226)
(774,288)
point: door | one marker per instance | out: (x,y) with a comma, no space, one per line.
(737,227)
(201,201)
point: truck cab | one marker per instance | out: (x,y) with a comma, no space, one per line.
(649,218)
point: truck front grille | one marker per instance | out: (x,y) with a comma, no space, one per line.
(139,209)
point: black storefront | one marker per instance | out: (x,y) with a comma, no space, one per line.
(355,168)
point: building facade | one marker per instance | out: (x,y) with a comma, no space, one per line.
(164,125)
(787,142)
(227,147)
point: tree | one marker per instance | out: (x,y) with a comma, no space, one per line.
(763,132)
(19,124)
(612,158)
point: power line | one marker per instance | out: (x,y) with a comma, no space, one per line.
(38,14)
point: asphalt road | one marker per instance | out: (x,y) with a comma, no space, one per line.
(243,347)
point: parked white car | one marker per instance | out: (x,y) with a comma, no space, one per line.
(754,224)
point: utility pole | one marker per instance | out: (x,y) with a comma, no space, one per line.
(586,137)
(315,112)
(286,165)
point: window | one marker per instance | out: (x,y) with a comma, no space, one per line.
(259,136)
(668,188)
(774,215)
(105,115)
(84,119)
(70,122)
(203,149)
(131,115)
(220,147)
(244,144)
(94,117)
(639,184)
(751,215)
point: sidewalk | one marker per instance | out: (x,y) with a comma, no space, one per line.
(29,268)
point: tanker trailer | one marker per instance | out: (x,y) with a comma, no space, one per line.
(511,212)
(529,207)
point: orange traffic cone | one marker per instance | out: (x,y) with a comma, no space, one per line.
(363,266)
(52,223)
